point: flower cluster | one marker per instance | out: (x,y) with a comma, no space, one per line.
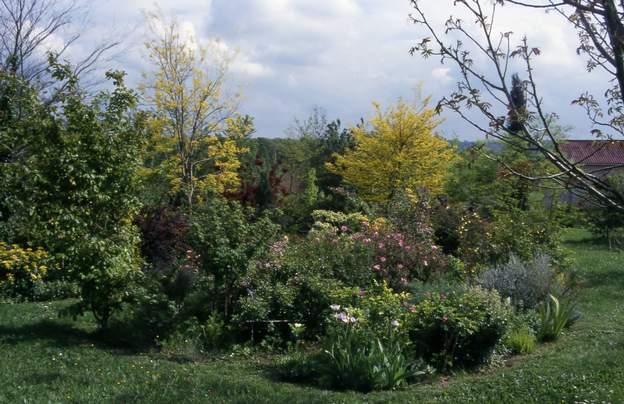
(343,316)
(22,263)
(396,258)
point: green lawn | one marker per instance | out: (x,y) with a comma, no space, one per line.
(45,359)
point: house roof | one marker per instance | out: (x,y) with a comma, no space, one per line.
(594,152)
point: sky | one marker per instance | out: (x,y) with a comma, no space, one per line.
(340,55)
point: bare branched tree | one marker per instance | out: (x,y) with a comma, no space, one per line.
(30,29)
(495,95)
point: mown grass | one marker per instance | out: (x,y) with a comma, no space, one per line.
(47,359)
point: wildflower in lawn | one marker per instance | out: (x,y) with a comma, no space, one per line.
(344,229)
(376,267)
(382,259)
(335,307)
(395,323)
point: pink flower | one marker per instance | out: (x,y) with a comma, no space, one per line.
(401,243)
(376,267)
(408,248)
(344,229)
(404,281)
(444,319)
(382,259)
(442,296)
(367,241)
(381,246)
(362,293)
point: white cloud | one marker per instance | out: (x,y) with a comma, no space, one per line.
(341,54)
(442,75)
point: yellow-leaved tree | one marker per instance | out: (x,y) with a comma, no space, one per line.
(399,150)
(195,127)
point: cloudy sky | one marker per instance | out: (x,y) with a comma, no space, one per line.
(340,54)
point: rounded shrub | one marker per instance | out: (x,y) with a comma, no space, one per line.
(458,329)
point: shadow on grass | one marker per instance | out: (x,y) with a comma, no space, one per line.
(63,335)
(612,278)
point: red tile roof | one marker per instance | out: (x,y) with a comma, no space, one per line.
(594,152)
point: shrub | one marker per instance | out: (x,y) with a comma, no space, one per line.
(526,234)
(382,253)
(458,329)
(281,287)
(22,268)
(520,341)
(227,238)
(555,315)
(482,241)
(378,308)
(526,283)
(164,235)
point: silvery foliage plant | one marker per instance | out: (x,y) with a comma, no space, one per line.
(526,284)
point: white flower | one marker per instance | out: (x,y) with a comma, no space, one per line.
(335,307)
(395,323)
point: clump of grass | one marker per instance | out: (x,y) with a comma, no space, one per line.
(521,341)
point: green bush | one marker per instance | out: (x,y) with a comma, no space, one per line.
(228,237)
(459,329)
(378,308)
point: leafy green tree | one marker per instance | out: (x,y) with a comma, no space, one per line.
(71,188)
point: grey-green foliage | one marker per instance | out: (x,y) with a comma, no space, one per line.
(525,283)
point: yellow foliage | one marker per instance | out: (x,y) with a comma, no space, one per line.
(193,116)
(401,151)
(21,263)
